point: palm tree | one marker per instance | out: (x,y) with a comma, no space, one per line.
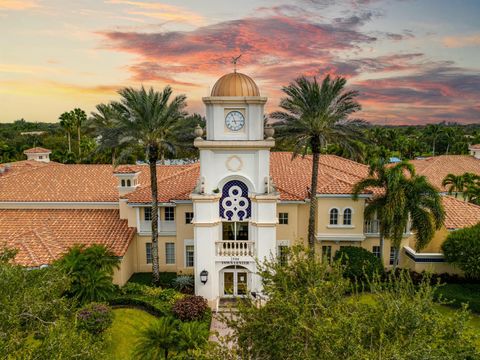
(66,122)
(454,183)
(405,197)
(103,123)
(434,131)
(316,115)
(150,119)
(79,117)
(158,340)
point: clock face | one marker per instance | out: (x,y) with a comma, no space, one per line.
(235,120)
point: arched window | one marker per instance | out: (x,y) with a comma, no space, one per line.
(123,183)
(129,183)
(334,217)
(347,217)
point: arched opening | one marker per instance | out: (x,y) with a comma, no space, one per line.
(234,281)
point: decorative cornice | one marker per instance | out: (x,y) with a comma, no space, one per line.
(340,237)
(205,197)
(234,100)
(234,144)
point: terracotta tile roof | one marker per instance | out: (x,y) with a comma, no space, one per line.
(176,186)
(459,213)
(436,168)
(37,150)
(125,169)
(18,167)
(292,178)
(43,235)
(474,147)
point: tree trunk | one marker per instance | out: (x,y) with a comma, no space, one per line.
(395,258)
(382,245)
(433,148)
(448,148)
(313,199)
(69,142)
(79,148)
(152,158)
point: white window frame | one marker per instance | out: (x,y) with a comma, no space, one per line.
(285,218)
(188,212)
(377,254)
(185,244)
(330,216)
(166,254)
(148,246)
(172,213)
(145,213)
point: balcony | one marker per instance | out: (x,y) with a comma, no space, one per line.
(235,248)
(372,228)
(164,227)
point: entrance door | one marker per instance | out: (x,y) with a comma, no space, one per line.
(235,283)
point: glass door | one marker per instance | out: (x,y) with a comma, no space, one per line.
(241,283)
(235,283)
(228,284)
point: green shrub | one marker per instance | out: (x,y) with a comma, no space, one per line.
(94,318)
(190,308)
(184,284)
(458,294)
(462,248)
(358,263)
(166,279)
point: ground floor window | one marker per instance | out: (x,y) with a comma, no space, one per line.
(235,230)
(188,217)
(189,255)
(170,253)
(392,255)
(148,252)
(327,253)
(376,251)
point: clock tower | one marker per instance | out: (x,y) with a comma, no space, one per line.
(234,203)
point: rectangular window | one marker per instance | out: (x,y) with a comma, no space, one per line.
(189,255)
(327,253)
(283,254)
(148,252)
(392,255)
(147,214)
(376,251)
(188,217)
(169,213)
(169,253)
(235,230)
(283,218)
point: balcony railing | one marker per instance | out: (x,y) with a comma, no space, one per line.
(163,226)
(235,248)
(373,227)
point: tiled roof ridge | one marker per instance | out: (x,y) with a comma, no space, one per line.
(465,202)
(289,192)
(36,149)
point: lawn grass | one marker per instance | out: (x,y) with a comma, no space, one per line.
(458,294)
(122,335)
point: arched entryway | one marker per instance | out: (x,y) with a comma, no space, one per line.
(234,281)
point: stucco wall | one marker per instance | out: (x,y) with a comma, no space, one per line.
(127,265)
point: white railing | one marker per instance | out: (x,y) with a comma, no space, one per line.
(163,226)
(235,248)
(373,227)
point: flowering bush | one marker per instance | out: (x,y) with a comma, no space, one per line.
(94,318)
(190,308)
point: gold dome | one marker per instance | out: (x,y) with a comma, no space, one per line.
(235,84)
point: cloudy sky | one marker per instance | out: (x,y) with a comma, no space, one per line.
(413,61)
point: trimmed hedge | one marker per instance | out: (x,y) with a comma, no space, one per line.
(458,294)
(166,279)
(358,263)
(462,248)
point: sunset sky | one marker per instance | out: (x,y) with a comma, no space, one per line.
(412,61)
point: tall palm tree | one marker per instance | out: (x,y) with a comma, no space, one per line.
(434,131)
(79,117)
(314,115)
(66,122)
(149,118)
(405,197)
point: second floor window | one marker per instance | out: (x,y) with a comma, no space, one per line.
(147,214)
(347,217)
(283,218)
(188,217)
(169,213)
(334,217)
(235,230)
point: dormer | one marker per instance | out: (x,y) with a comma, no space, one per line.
(475,150)
(127,179)
(38,154)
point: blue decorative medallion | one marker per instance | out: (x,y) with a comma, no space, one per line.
(235,204)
